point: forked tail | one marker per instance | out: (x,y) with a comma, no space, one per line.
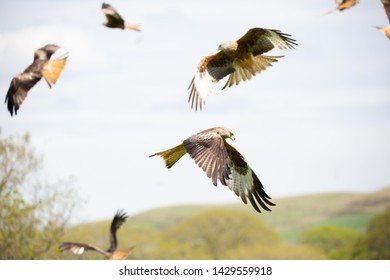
(133,27)
(53,69)
(171,156)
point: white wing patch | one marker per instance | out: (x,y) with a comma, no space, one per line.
(200,88)
(277,41)
(241,184)
(78,250)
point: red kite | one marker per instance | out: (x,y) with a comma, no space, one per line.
(114,20)
(343,5)
(42,66)
(241,60)
(386,29)
(111,253)
(220,161)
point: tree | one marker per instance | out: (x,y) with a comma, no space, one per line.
(212,234)
(334,241)
(374,244)
(33,212)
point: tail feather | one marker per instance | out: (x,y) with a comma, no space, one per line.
(53,69)
(133,27)
(171,156)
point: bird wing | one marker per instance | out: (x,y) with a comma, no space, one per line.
(112,15)
(244,181)
(386,5)
(249,61)
(117,222)
(80,248)
(245,69)
(17,92)
(53,69)
(259,40)
(208,151)
(210,70)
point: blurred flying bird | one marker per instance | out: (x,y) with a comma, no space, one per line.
(343,5)
(241,60)
(111,253)
(42,66)
(385,29)
(220,161)
(114,20)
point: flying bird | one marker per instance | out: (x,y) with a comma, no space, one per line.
(385,29)
(241,60)
(111,253)
(343,5)
(114,20)
(220,161)
(42,66)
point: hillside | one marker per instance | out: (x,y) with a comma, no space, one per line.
(289,218)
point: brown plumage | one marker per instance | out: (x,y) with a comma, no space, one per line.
(42,66)
(240,60)
(111,253)
(220,161)
(114,20)
(343,5)
(385,29)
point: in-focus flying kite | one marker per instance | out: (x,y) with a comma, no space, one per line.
(111,253)
(385,29)
(343,5)
(220,161)
(240,60)
(114,20)
(42,66)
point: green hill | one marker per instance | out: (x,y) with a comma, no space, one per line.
(290,218)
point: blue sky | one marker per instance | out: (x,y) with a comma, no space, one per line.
(317,121)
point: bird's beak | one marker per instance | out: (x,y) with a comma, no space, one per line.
(232,137)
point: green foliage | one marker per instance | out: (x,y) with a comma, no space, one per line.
(210,235)
(334,241)
(175,232)
(33,213)
(374,244)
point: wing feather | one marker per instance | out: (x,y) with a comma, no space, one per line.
(114,19)
(259,40)
(386,6)
(209,153)
(210,70)
(246,69)
(19,87)
(245,183)
(119,218)
(80,248)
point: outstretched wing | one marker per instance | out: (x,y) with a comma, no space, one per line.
(209,153)
(80,248)
(113,17)
(245,183)
(117,222)
(17,92)
(260,40)
(386,5)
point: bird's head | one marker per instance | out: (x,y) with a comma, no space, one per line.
(224,133)
(228,46)
(46,51)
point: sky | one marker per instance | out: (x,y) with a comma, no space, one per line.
(317,121)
